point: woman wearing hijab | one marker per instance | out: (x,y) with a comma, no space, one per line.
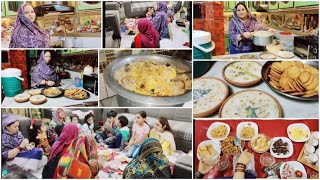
(160,20)
(14,146)
(26,34)
(44,73)
(241,28)
(68,135)
(148,36)
(149,163)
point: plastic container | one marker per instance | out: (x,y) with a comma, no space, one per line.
(11,81)
(77,82)
(202,45)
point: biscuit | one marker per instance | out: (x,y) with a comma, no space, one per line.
(273,85)
(284,83)
(309,81)
(314,71)
(310,95)
(286,64)
(293,72)
(299,64)
(314,84)
(275,74)
(304,76)
(276,83)
(277,66)
(296,86)
(297,93)
(288,91)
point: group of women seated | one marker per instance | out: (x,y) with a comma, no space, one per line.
(72,153)
(152,29)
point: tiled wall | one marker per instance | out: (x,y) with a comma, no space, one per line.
(213,22)
(17,59)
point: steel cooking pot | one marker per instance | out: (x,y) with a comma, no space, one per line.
(262,38)
(128,98)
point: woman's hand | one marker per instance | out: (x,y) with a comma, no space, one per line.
(272,30)
(24,143)
(50,83)
(245,157)
(248,35)
(204,168)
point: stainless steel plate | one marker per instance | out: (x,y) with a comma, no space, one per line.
(74,98)
(52,96)
(265,71)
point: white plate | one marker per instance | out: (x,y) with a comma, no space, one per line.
(285,54)
(289,147)
(215,144)
(302,126)
(296,166)
(214,125)
(255,137)
(246,124)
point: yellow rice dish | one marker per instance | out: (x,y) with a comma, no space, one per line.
(154,78)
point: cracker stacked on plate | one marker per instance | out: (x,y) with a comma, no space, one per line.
(294,78)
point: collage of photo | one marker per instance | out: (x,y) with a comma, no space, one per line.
(159,89)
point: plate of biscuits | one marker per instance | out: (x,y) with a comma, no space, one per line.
(294,79)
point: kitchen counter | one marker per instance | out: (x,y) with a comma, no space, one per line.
(291,108)
(176,41)
(224,57)
(52,102)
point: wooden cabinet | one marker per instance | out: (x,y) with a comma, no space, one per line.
(88,5)
(273,5)
(285,4)
(305,3)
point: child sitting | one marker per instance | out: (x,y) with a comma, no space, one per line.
(88,126)
(140,132)
(39,136)
(110,129)
(75,120)
(122,137)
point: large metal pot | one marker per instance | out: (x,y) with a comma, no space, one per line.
(127,98)
(262,38)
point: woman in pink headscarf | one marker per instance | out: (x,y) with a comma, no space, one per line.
(69,133)
(148,36)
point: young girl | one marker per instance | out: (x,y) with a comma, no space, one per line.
(109,129)
(140,131)
(162,131)
(88,125)
(150,13)
(39,136)
(75,120)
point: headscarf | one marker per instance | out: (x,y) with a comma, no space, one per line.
(9,140)
(150,163)
(160,20)
(26,34)
(68,134)
(149,35)
(162,6)
(43,71)
(248,26)
(57,117)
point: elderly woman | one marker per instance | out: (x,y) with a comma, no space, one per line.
(160,20)
(241,28)
(26,33)
(149,163)
(14,146)
(44,74)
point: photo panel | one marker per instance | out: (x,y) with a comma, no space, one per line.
(147,24)
(254,30)
(51,24)
(256,89)
(101,143)
(251,148)
(50,78)
(145,78)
